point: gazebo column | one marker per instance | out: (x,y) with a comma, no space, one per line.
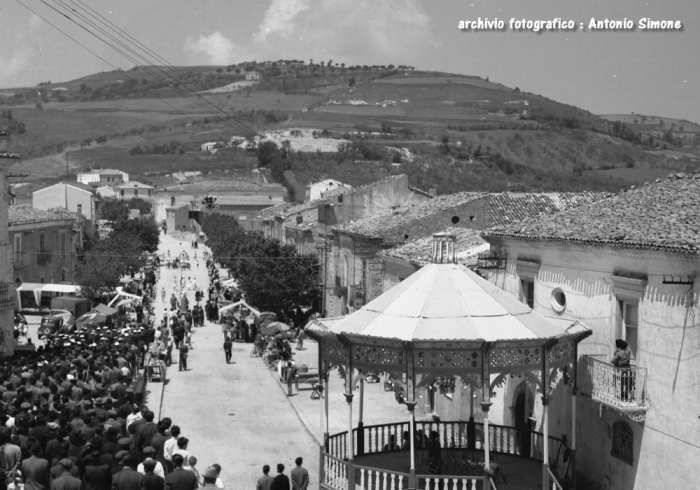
(349,386)
(545,438)
(486,405)
(360,425)
(572,456)
(411,405)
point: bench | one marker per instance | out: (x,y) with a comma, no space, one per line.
(308,378)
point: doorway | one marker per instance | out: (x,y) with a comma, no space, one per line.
(523,406)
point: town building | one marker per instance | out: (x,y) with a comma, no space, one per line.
(252,75)
(7,285)
(73,196)
(626,267)
(359,271)
(178,219)
(21,192)
(132,189)
(246,209)
(309,226)
(103,177)
(43,245)
(316,190)
(192,194)
(210,146)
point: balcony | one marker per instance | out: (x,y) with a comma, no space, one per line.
(624,390)
(7,297)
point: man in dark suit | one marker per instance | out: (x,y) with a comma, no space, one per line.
(66,481)
(146,431)
(151,481)
(35,470)
(281,481)
(158,442)
(180,479)
(128,478)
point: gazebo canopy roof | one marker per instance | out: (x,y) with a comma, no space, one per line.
(448,302)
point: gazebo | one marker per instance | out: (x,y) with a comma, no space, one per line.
(443,322)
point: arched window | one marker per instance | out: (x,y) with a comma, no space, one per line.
(623,442)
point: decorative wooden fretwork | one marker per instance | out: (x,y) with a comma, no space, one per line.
(448,359)
(561,352)
(333,351)
(516,357)
(366,355)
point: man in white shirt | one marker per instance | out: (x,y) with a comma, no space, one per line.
(170,446)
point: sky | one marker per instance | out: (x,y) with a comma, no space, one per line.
(603,71)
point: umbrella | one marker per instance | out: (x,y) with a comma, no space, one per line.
(274,328)
(91,319)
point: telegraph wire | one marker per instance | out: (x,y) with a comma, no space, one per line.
(128,57)
(92,52)
(155,55)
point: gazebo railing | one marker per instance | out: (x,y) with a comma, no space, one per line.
(338,445)
(537,448)
(452,435)
(380,479)
(335,473)
(450,482)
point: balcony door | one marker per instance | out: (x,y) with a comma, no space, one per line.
(628,324)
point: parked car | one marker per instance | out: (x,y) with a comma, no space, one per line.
(59,321)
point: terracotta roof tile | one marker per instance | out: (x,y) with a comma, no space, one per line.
(375,225)
(513,207)
(22,214)
(662,215)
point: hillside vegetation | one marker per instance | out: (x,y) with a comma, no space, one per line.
(446,131)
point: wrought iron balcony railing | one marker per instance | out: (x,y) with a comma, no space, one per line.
(621,388)
(7,297)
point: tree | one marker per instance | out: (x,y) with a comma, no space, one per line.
(113,209)
(102,268)
(143,227)
(351,82)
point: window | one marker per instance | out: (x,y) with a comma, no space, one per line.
(558,300)
(63,275)
(527,292)
(136,193)
(629,292)
(42,243)
(627,324)
(63,244)
(340,198)
(623,442)
(121,192)
(527,270)
(80,209)
(18,250)
(172,201)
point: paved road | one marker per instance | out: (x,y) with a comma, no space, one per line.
(235,415)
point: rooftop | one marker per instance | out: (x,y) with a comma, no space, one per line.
(419,252)
(134,184)
(247,200)
(105,171)
(375,225)
(512,207)
(661,216)
(221,186)
(22,214)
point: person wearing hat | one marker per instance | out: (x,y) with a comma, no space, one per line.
(210,475)
(65,480)
(128,478)
(149,454)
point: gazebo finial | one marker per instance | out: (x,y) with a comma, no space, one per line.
(444,248)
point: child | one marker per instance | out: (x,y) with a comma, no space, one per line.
(219,482)
(192,461)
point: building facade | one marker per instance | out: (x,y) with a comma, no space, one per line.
(42,245)
(79,198)
(627,268)
(133,189)
(316,190)
(103,177)
(7,284)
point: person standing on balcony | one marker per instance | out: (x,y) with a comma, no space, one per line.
(434,454)
(621,359)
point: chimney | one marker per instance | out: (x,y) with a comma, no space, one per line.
(432,192)
(444,248)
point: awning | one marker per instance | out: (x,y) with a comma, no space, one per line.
(121,294)
(239,304)
(105,310)
(61,288)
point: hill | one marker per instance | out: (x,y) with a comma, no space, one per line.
(447,131)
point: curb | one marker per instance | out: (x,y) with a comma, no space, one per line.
(291,401)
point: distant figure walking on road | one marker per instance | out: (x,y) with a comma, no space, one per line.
(228,346)
(184,350)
